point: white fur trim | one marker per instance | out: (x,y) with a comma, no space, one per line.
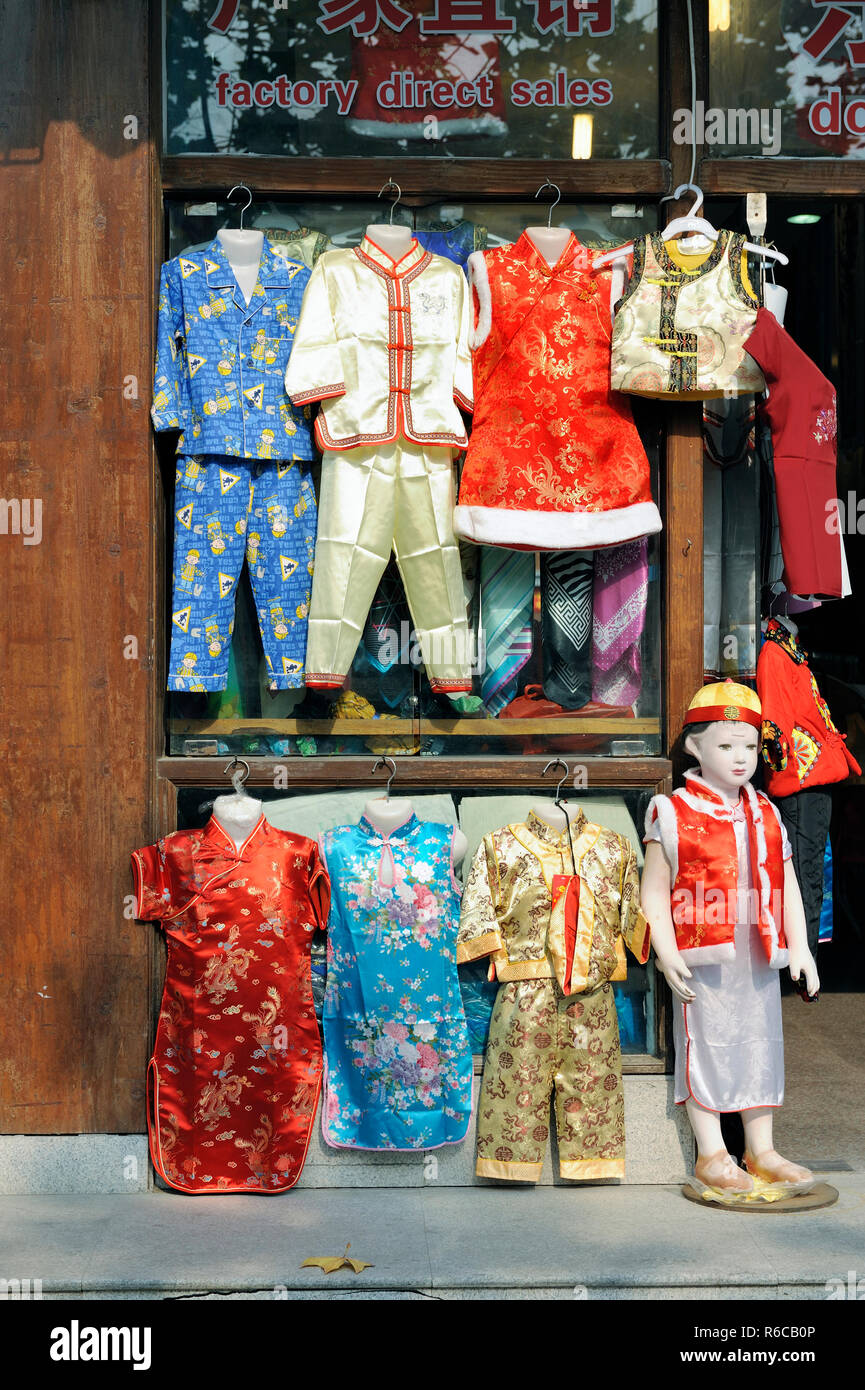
(780,955)
(479,278)
(722,954)
(535,530)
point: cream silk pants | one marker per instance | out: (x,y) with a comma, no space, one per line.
(400,497)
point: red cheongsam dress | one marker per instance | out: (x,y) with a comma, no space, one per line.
(554,461)
(236,1069)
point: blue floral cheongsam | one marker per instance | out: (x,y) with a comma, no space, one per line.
(398,1071)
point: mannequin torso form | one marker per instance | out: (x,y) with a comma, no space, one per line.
(551,813)
(394,240)
(549,241)
(387,815)
(243,251)
(237,815)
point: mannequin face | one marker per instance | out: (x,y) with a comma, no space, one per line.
(727,754)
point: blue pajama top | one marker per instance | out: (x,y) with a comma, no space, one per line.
(220,363)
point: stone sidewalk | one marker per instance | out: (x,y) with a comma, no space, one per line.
(629,1242)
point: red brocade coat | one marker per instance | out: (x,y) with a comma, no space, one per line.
(554,461)
(236,1069)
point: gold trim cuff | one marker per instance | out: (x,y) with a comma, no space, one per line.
(478,946)
(584,1169)
(513,1172)
(524,970)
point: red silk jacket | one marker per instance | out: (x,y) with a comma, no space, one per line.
(801,746)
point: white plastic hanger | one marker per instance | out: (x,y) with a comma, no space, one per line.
(689,223)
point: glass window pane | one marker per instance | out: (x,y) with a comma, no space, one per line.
(600,696)
(787,77)
(479,78)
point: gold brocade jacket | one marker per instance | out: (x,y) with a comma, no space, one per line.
(383,345)
(508,913)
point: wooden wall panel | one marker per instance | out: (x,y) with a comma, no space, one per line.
(78,714)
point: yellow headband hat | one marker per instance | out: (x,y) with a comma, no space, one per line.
(724,700)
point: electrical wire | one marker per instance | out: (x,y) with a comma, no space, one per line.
(693,60)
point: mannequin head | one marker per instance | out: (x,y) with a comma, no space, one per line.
(726,751)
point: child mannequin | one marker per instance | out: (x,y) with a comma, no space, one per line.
(721,947)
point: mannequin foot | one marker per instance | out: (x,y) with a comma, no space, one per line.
(722,1171)
(771,1167)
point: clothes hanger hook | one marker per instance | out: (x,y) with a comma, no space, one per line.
(674,197)
(547,183)
(386,762)
(237,778)
(247,205)
(558,762)
(391,183)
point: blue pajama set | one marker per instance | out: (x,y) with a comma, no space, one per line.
(244,486)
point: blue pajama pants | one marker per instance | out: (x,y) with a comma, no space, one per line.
(226,508)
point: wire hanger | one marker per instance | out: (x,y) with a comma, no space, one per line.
(238,778)
(247,205)
(558,762)
(547,183)
(385,762)
(391,183)
(690,223)
(777,593)
(562,805)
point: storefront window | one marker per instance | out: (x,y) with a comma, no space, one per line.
(571,663)
(479,78)
(787,77)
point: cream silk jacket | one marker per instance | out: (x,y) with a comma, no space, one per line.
(511,913)
(383,345)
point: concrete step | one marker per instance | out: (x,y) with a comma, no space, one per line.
(577,1243)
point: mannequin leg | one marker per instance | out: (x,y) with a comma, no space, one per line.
(714,1167)
(760,1157)
(706,1125)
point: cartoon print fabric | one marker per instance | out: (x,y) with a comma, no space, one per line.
(220,366)
(225,509)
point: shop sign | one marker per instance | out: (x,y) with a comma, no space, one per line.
(405,70)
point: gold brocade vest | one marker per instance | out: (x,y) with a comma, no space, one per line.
(681,326)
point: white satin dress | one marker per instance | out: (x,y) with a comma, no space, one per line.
(729,1040)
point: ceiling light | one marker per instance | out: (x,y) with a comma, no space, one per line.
(581,142)
(719,15)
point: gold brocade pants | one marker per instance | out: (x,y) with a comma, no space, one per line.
(396,496)
(540,1040)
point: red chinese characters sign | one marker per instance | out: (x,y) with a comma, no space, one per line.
(399,70)
(363,17)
